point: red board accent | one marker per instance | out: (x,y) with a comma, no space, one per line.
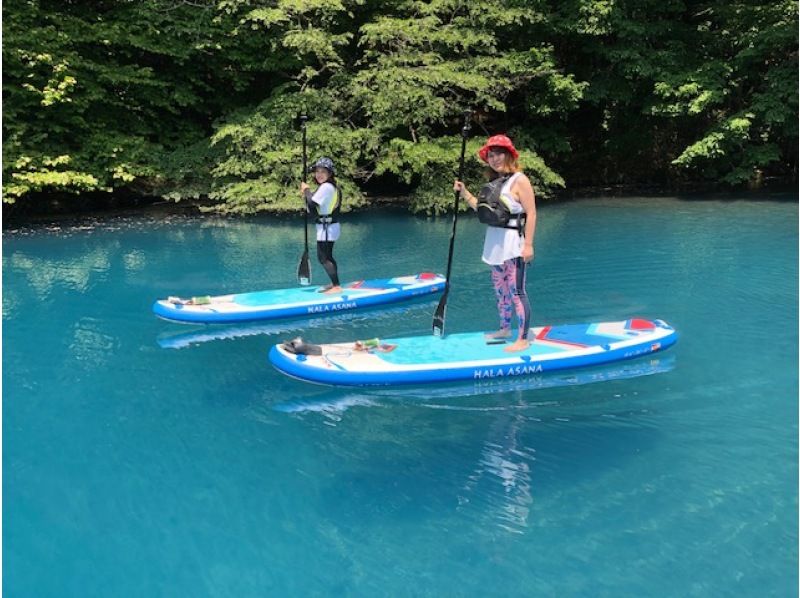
(640,324)
(542,336)
(356,285)
(426,276)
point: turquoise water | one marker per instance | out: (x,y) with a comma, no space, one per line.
(146,458)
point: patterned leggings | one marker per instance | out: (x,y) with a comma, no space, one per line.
(509,287)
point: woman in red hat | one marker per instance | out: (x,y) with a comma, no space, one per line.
(508,206)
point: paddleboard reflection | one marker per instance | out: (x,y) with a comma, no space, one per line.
(331,401)
(203,333)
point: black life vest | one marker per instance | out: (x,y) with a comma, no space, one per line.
(492,210)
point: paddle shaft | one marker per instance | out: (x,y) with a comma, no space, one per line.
(439,316)
(303,119)
(304,269)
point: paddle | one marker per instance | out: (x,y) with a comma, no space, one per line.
(304,269)
(441,309)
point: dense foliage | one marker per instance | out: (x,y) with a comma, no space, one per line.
(199,98)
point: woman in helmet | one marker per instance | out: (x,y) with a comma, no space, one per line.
(508,206)
(325,202)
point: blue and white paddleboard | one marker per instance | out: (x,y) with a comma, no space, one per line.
(301,301)
(468,356)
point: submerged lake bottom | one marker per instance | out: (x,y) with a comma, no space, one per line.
(144,457)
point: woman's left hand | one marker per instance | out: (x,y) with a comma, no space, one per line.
(303,187)
(527,253)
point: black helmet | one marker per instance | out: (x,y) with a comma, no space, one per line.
(323,162)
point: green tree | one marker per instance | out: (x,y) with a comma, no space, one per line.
(187,99)
(387,100)
(260,167)
(744,94)
(103,95)
(680,91)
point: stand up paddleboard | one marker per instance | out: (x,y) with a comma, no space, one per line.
(300,301)
(468,356)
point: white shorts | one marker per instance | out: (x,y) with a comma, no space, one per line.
(333,232)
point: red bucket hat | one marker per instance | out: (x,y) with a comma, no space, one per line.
(498,141)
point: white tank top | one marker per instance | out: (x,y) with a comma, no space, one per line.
(502,244)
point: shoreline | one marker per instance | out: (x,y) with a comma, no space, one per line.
(158,207)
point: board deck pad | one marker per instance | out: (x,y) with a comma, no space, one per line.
(301,301)
(468,356)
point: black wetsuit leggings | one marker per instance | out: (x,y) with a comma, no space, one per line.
(325,256)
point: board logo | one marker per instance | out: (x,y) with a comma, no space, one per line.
(502,372)
(319,309)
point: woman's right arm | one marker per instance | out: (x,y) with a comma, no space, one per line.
(462,190)
(309,198)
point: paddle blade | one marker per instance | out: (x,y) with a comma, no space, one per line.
(439,315)
(304,270)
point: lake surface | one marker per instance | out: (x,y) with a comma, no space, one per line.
(147,458)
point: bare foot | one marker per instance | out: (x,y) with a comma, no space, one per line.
(502,333)
(332,290)
(520,345)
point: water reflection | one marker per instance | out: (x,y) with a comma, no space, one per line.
(504,473)
(43,274)
(12,303)
(339,400)
(90,345)
(213,332)
(497,486)
(486,461)
(135,260)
